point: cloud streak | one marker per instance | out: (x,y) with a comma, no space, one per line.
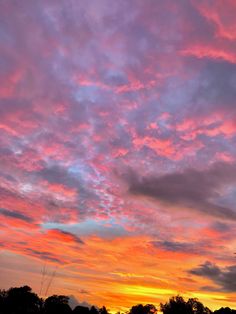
(15,215)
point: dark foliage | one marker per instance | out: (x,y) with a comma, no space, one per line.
(57,304)
(103,310)
(225,310)
(93,310)
(20,301)
(23,301)
(143,309)
(177,305)
(81,310)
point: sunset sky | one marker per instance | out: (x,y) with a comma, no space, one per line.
(118,149)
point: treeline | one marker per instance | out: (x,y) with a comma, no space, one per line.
(23,301)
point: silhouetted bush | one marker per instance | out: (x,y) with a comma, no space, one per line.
(79,309)
(57,304)
(93,310)
(20,301)
(225,310)
(177,305)
(143,309)
(103,310)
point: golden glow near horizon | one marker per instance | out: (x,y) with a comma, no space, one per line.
(147,291)
(113,282)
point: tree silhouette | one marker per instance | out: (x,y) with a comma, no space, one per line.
(103,310)
(93,310)
(197,307)
(140,309)
(177,305)
(225,310)
(79,309)
(20,301)
(3,296)
(57,304)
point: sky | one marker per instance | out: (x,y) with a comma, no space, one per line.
(118,149)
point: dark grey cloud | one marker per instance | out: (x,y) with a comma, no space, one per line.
(59,175)
(74,237)
(191,188)
(225,278)
(211,91)
(15,215)
(185,247)
(44,255)
(7,176)
(222,227)
(216,88)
